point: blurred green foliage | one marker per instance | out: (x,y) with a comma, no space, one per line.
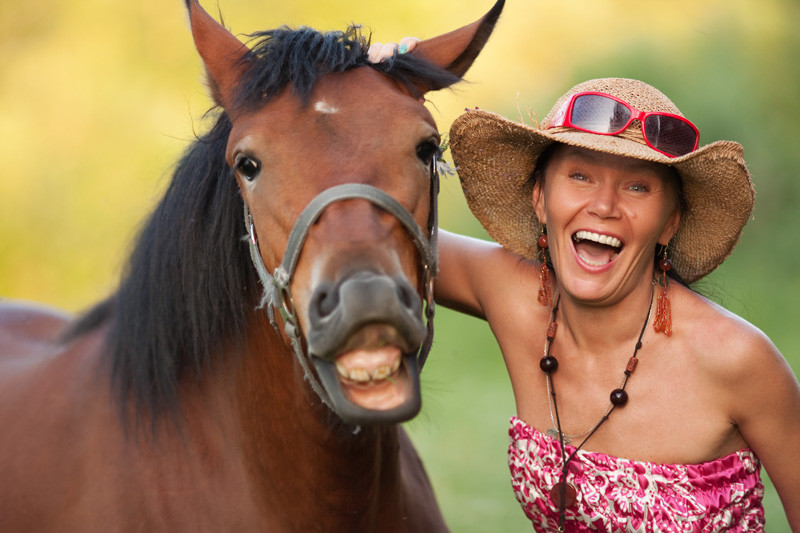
(98,98)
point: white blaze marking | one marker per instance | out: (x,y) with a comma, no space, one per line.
(325,107)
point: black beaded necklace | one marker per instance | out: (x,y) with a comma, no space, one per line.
(563,493)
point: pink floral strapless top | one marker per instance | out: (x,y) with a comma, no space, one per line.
(622,495)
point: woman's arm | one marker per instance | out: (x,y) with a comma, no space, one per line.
(766,397)
(477,276)
(461,262)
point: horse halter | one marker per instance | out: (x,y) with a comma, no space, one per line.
(277,292)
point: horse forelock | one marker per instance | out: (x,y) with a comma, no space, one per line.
(300,57)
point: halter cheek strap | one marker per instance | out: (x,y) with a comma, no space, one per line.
(277,293)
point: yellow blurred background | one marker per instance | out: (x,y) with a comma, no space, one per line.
(99,97)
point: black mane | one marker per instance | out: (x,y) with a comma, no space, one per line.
(189,284)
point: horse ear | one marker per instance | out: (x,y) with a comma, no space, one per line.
(224,56)
(457,50)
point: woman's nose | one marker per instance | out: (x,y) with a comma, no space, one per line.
(604,202)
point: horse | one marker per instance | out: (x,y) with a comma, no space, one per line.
(252,368)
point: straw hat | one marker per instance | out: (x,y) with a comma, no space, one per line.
(495,157)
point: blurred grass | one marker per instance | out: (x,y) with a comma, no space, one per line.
(99,97)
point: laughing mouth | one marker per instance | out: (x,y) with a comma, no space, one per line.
(595,249)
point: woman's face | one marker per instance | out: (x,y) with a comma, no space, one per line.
(604,216)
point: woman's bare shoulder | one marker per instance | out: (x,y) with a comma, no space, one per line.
(722,343)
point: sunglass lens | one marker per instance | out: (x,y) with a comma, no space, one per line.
(599,114)
(670,134)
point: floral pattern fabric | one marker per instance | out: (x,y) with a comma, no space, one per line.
(621,495)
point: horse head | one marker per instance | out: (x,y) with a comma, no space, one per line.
(335,160)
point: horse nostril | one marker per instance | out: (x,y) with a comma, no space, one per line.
(406,295)
(325,301)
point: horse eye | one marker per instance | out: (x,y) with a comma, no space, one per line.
(426,150)
(248,168)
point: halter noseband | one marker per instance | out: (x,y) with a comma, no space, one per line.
(277,292)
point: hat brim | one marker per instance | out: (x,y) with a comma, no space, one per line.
(495,156)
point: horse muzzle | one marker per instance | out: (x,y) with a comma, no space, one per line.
(370,333)
(363,340)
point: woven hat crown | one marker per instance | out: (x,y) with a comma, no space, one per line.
(637,93)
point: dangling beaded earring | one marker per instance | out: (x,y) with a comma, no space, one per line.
(545,285)
(663,319)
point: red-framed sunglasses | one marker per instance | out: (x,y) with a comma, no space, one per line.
(604,114)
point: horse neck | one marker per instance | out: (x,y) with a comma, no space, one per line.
(304,459)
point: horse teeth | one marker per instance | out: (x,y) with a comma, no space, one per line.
(362,375)
(358,375)
(382,372)
(355,374)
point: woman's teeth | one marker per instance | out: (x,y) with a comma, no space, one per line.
(608,240)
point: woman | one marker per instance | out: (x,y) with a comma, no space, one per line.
(641,405)
(620,191)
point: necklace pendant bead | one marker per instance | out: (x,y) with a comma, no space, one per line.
(619,397)
(569,492)
(548,364)
(554,434)
(632,362)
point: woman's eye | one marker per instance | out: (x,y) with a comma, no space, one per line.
(639,187)
(579,176)
(426,150)
(248,168)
